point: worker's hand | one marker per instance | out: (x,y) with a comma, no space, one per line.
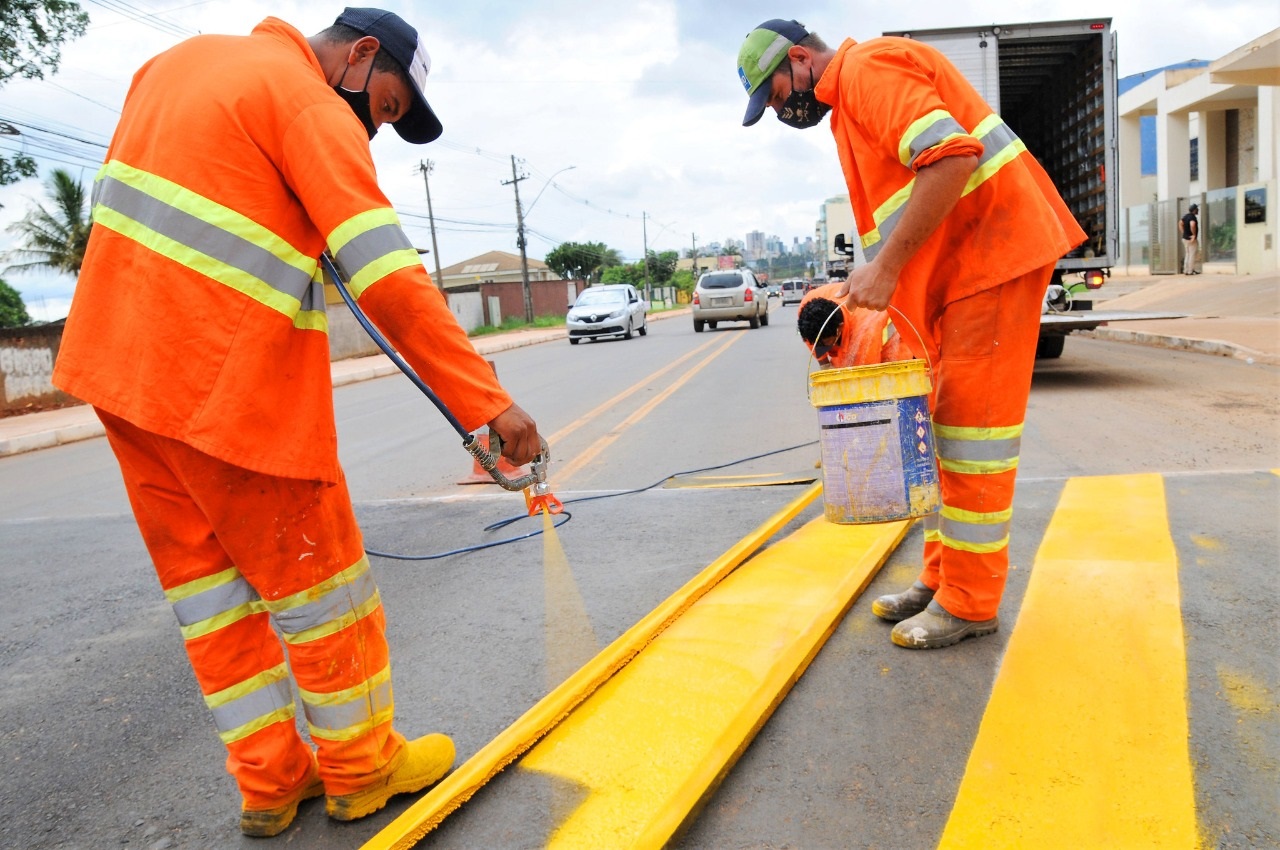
(519,435)
(868,286)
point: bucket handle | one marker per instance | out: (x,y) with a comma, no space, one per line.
(810,359)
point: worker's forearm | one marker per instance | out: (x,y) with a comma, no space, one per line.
(937,189)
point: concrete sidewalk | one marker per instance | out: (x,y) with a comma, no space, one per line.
(50,428)
(1228,315)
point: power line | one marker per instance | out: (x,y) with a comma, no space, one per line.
(149,19)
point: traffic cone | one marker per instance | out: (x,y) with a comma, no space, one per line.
(478,474)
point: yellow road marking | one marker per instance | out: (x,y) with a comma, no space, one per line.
(585,457)
(458,787)
(595,412)
(1084,739)
(643,750)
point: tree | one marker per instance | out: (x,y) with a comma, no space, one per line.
(662,266)
(632,273)
(31,37)
(53,240)
(732,247)
(578,260)
(13,312)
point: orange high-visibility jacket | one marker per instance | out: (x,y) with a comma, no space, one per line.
(898,105)
(868,336)
(199,313)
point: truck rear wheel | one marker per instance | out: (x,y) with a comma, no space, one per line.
(1050,347)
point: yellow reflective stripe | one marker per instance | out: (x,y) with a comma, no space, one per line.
(976,548)
(222,620)
(960,515)
(253,683)
(358,224)
(978,467)
(987,170)
(960,432)
(311,594)
(348,694)
(936,127)
(242,732)
(200,585)
(376,271)
(354,615)
(888,208)
(209,211)
(932,535)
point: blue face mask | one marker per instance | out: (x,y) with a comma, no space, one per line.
(802,109)
(359,102)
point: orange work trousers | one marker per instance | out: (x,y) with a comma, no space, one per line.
(983,351)
(237,551)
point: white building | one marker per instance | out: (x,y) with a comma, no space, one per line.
(1217,145)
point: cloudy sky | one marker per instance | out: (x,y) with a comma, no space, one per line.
(638,100)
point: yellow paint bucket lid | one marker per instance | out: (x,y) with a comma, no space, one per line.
(877,382)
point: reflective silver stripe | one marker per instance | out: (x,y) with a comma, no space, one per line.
(188,230)
(313,299)
(207,604)
(886,227)
(999,137)
(369,247)
(260,703)
(968,532)
(978,449)
(932,528)
(332,606)
(363,709)
(941,130)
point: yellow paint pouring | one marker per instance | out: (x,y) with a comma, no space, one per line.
(570,640)
(1084,739)
(645,748)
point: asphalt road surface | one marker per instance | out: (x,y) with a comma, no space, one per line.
(106,742)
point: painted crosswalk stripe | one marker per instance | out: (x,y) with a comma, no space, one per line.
(1084,740)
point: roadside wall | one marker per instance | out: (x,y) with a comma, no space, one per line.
(26,366)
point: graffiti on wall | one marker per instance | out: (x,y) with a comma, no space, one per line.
(27,372)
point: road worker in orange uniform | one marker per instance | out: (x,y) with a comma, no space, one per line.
(961,228)
(840,336)
(198,331)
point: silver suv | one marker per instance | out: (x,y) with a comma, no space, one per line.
(729,296)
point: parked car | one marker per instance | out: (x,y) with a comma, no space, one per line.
(729,296)
(792,291)
(609,310)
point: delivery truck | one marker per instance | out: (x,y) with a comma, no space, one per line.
(1054,84)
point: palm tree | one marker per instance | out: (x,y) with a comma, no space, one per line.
(53,240)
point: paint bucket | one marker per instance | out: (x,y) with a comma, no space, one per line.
(878,461)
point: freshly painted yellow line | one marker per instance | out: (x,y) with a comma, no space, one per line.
(642,752)
(1084,740)
(458,787)
(590,453)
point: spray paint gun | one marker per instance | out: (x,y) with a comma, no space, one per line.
(536,480)
(537,493)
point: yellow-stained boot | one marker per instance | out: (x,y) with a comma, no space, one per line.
(264,823)
(423,762)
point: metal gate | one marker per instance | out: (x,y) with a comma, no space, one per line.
(1165,239)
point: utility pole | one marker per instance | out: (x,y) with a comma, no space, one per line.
(520,240)
(644,226)
(695,257)
(426,167)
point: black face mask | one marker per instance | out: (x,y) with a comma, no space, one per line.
(359,102)
(802,109)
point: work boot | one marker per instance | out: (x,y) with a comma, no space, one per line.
(264,823)
(934,627)
(900,606)
(422,762)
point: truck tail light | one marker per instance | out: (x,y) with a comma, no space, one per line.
(1093,279)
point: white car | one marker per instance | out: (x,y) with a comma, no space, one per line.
(614,309)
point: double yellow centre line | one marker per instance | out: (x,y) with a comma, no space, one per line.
(591,452)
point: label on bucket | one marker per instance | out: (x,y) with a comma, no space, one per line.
(878,461)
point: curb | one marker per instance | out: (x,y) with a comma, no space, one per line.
(1200,346)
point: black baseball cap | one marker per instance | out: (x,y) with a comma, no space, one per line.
(420,124)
